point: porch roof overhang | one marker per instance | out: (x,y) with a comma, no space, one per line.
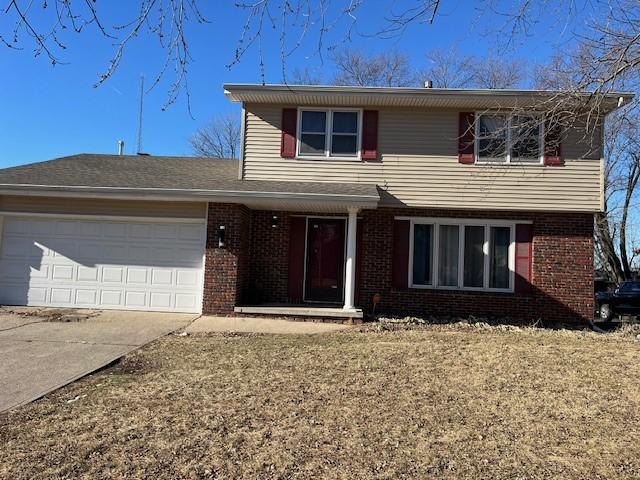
(290,201)
(453,98)
(178,179)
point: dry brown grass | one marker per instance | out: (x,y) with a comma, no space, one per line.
(436,403)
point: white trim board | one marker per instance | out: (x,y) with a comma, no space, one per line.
(121,218)
(460,220)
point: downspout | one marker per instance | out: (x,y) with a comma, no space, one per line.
(243,125)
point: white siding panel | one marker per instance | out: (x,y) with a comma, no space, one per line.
(419,165)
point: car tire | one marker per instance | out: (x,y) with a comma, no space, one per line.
(606,314)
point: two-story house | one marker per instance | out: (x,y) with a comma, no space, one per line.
(345,200)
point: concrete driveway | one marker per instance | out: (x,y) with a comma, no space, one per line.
(44,349)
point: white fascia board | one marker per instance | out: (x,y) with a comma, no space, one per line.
(229,196)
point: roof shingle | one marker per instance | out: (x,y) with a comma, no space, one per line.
(161,173)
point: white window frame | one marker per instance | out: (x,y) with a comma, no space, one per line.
(461,223)
(509,117)
(329,134)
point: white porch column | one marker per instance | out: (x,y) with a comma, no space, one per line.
(350,263)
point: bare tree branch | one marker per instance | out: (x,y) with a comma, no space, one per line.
(166,19)
(452,69)
(390,69)
(219,139)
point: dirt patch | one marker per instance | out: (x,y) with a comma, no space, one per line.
(453,402)
(52,314)
(137,364)
(65,316)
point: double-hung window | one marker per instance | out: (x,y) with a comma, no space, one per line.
(459,254)
(502,138)
(329,133)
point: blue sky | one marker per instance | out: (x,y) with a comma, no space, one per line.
(50,111)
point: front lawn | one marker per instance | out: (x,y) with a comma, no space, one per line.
(441,402)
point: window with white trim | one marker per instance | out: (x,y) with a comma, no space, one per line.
(329,133)
(462,254)
(502,138)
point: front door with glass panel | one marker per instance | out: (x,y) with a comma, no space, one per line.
(324,279)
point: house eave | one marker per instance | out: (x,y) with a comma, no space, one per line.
(253,199)
(410,97)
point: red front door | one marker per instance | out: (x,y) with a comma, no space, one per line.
(325,260)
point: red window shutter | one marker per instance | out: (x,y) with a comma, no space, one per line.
(524,243)
(552,144)
(466,137)
(369,135)
(289,124)
(297,236)
(400,262)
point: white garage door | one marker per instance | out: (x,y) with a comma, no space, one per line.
(149,265)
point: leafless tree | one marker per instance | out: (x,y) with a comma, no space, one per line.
(616,238)
(389,69)
(449,68)
(452,69)
(219,139)
(496,72)
(306,76)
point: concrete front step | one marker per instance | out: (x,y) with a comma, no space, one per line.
(293,311)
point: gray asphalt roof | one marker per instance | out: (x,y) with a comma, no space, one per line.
(159,172)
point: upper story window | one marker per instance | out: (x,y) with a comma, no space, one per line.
(502,138)
(329,133)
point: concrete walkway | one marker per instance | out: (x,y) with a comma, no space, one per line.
(44,349)
(260,325)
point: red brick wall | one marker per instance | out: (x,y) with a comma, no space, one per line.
(562,270)
(562,266)
(226,268)
(269,264)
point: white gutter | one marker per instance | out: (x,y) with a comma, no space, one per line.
(230,89)
(400,96)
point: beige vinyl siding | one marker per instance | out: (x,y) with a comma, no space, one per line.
(419,167)
(90,206)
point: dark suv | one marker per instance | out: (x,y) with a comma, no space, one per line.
(625,300)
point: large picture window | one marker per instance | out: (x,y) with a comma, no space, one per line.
(329,133)
(462,254)
(509,139)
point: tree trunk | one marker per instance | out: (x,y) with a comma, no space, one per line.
(632,182)
(608,248)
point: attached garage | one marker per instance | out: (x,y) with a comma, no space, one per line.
(140,232)
(102,262)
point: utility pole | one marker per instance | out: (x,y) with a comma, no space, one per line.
(139,147)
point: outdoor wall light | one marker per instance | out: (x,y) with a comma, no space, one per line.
(275,221)
(221,235)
